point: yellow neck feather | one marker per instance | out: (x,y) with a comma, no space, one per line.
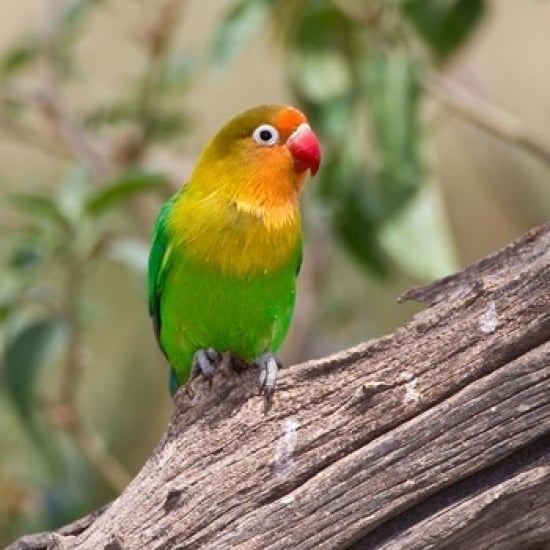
(238,234)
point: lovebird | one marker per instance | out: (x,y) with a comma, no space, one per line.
(227,247)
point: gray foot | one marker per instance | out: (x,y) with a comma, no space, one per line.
(204,363)
(269,366)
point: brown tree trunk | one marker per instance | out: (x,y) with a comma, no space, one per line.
(436,436)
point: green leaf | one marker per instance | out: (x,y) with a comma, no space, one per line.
(27,255)
(114,113)
(419,239)
(40,207)
(321,75)
(356,225)
(344,185)
(444,24)
(128,185)
(334,122)
(393,92)
(73,192)
(236,28)
(18,57)
(318,26)
(131,253)
(27,352)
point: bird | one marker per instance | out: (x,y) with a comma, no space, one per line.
(227,247)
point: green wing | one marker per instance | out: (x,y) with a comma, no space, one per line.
(159,263)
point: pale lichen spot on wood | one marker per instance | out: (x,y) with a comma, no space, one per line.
(288,499)
(488,322)
(411,391)
(284,452)
(523,408)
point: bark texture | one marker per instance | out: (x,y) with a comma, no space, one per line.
(436,436)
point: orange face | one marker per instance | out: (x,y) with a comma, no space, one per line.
(272,136)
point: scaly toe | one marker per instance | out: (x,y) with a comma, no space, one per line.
(269,366)
(204,364)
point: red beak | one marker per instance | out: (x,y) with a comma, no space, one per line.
(305,149)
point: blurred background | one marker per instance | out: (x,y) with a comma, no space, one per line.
(435,121)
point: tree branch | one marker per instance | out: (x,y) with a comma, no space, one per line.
(65,413)
(436,435)
(50,100)
(485,115)
(159,40)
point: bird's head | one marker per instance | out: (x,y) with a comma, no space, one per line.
(265,150)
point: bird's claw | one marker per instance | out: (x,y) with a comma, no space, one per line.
(269,366)
(204,364)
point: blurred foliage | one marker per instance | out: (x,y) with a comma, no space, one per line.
(355,67)
(444,25)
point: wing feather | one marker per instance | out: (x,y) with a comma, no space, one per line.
(159,265)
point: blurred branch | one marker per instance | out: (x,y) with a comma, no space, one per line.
(73,368)
(38,112)
(71,134)
(159,39)
(51,99)
(48,101)
(132,149)
(28,136)
(485,115)
(65,412)
(93,448)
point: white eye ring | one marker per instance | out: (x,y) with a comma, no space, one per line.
(266,135)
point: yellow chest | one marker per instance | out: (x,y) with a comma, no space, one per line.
(235,236)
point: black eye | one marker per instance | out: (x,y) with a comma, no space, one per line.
(266,135)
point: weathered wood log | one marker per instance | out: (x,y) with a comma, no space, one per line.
(436,436)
